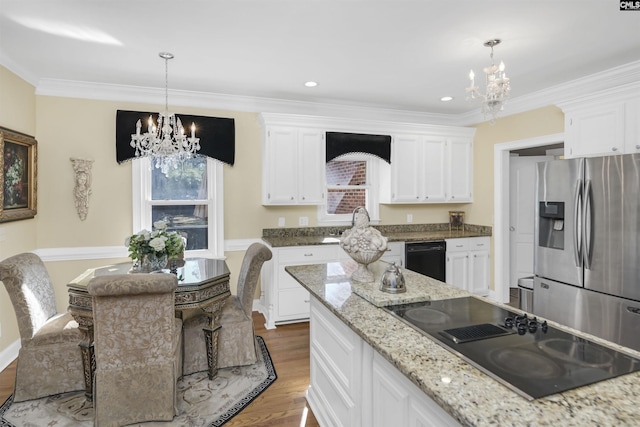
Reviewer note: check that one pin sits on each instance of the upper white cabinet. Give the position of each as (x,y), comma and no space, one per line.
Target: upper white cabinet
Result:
(604,124)
(418,165)
(429,163)
(460,171)
(430,169)
(293,166)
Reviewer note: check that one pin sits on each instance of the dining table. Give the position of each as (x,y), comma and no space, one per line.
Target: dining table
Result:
(203,286)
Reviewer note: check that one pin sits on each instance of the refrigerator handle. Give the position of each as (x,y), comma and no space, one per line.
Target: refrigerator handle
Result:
(587,225)
(577,225)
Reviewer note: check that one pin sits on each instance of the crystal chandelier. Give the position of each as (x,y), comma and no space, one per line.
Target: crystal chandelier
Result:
(497,86)
(165,142)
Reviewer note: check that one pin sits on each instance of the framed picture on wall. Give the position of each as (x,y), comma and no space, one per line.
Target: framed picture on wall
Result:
(18,180)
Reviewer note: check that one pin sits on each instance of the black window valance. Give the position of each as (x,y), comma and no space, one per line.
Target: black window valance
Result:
(217,135)
(339,143)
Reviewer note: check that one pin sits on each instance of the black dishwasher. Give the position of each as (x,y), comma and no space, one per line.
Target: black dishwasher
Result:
(427,258)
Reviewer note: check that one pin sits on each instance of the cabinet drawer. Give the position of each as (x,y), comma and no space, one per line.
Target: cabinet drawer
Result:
(457,245)
(479,243)
(307,254)
(294,302)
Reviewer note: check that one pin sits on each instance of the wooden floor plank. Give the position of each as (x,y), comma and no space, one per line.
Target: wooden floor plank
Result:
(283,404)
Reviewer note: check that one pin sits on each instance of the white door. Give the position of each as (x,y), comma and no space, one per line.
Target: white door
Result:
(521,215)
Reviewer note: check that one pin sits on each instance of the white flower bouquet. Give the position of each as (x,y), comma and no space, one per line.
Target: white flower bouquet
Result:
(158,242)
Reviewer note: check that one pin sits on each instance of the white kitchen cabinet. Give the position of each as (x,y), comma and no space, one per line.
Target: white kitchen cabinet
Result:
(394,253)
(417,169)
(468,265)
(398,402)
(353,385)
(335,369)
(282,298)
(604,124)
(293,166)
(429,169)
(460,171)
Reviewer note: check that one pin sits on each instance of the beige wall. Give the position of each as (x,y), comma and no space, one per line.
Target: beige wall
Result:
(18,113)
(539,122)
(82,128)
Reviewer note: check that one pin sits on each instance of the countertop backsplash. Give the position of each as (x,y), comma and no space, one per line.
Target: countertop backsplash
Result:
(277,237)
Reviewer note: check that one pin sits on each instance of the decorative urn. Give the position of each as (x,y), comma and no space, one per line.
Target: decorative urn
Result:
(363,243)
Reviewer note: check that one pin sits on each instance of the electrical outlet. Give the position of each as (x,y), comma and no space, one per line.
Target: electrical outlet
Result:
(303,221)
(3,235)
(281,221)
(409,218)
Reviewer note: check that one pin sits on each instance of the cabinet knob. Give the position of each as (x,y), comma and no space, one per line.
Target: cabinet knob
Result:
(308,254)
(453,197)
(637,147)
(291,197)
(614,148)
(303,198)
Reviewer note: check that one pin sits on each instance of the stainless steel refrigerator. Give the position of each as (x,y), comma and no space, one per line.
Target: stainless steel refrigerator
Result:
(587,246)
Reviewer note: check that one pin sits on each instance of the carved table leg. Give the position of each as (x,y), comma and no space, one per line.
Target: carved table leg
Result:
(211,339)
(211,335)
(89,366)
(85,324)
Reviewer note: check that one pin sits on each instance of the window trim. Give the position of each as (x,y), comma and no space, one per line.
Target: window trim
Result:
(141,204)
(373,196)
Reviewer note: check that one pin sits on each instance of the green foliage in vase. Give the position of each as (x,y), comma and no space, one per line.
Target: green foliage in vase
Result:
(158,242)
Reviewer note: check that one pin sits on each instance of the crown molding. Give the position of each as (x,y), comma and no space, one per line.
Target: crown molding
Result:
(624,76)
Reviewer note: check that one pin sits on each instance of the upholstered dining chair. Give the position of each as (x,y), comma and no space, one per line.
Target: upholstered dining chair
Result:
(236,339)
(49,360)
(137,345)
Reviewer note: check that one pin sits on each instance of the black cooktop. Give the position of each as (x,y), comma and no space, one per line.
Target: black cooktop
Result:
(525,354)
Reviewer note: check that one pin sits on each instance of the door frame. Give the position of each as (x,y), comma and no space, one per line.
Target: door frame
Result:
(501,154)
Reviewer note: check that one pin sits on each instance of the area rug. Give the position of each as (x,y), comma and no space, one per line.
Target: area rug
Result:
(201,402)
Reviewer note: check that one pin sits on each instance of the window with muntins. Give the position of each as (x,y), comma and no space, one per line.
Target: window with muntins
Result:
(189,199)
(349,184)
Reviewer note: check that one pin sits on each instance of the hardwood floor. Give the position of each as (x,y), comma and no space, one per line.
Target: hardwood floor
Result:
(283,404)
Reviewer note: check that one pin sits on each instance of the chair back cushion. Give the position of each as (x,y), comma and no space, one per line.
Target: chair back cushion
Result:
(31,291)
(134,319)
(252,262)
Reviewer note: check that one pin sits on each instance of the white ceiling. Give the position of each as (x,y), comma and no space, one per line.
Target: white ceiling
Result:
(394,54)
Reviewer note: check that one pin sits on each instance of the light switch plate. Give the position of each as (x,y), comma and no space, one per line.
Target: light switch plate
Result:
(281,221)
(409,218)
(304,220)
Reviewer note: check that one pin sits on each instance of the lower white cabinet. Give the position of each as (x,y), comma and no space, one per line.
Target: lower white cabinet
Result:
(394,253)
(283,300)
(468,264)
(352,385)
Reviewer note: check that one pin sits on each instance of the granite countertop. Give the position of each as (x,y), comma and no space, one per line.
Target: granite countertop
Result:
(309,236)
(472,397)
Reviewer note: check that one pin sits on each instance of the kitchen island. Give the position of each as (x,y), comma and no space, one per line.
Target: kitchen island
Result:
(367,365)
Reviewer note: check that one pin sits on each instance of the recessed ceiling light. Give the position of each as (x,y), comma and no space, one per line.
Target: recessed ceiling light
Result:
(311,84)
(446,98)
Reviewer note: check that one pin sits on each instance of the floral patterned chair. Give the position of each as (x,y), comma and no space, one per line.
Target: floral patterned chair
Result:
(49,361)
(137,342)
(236,340)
